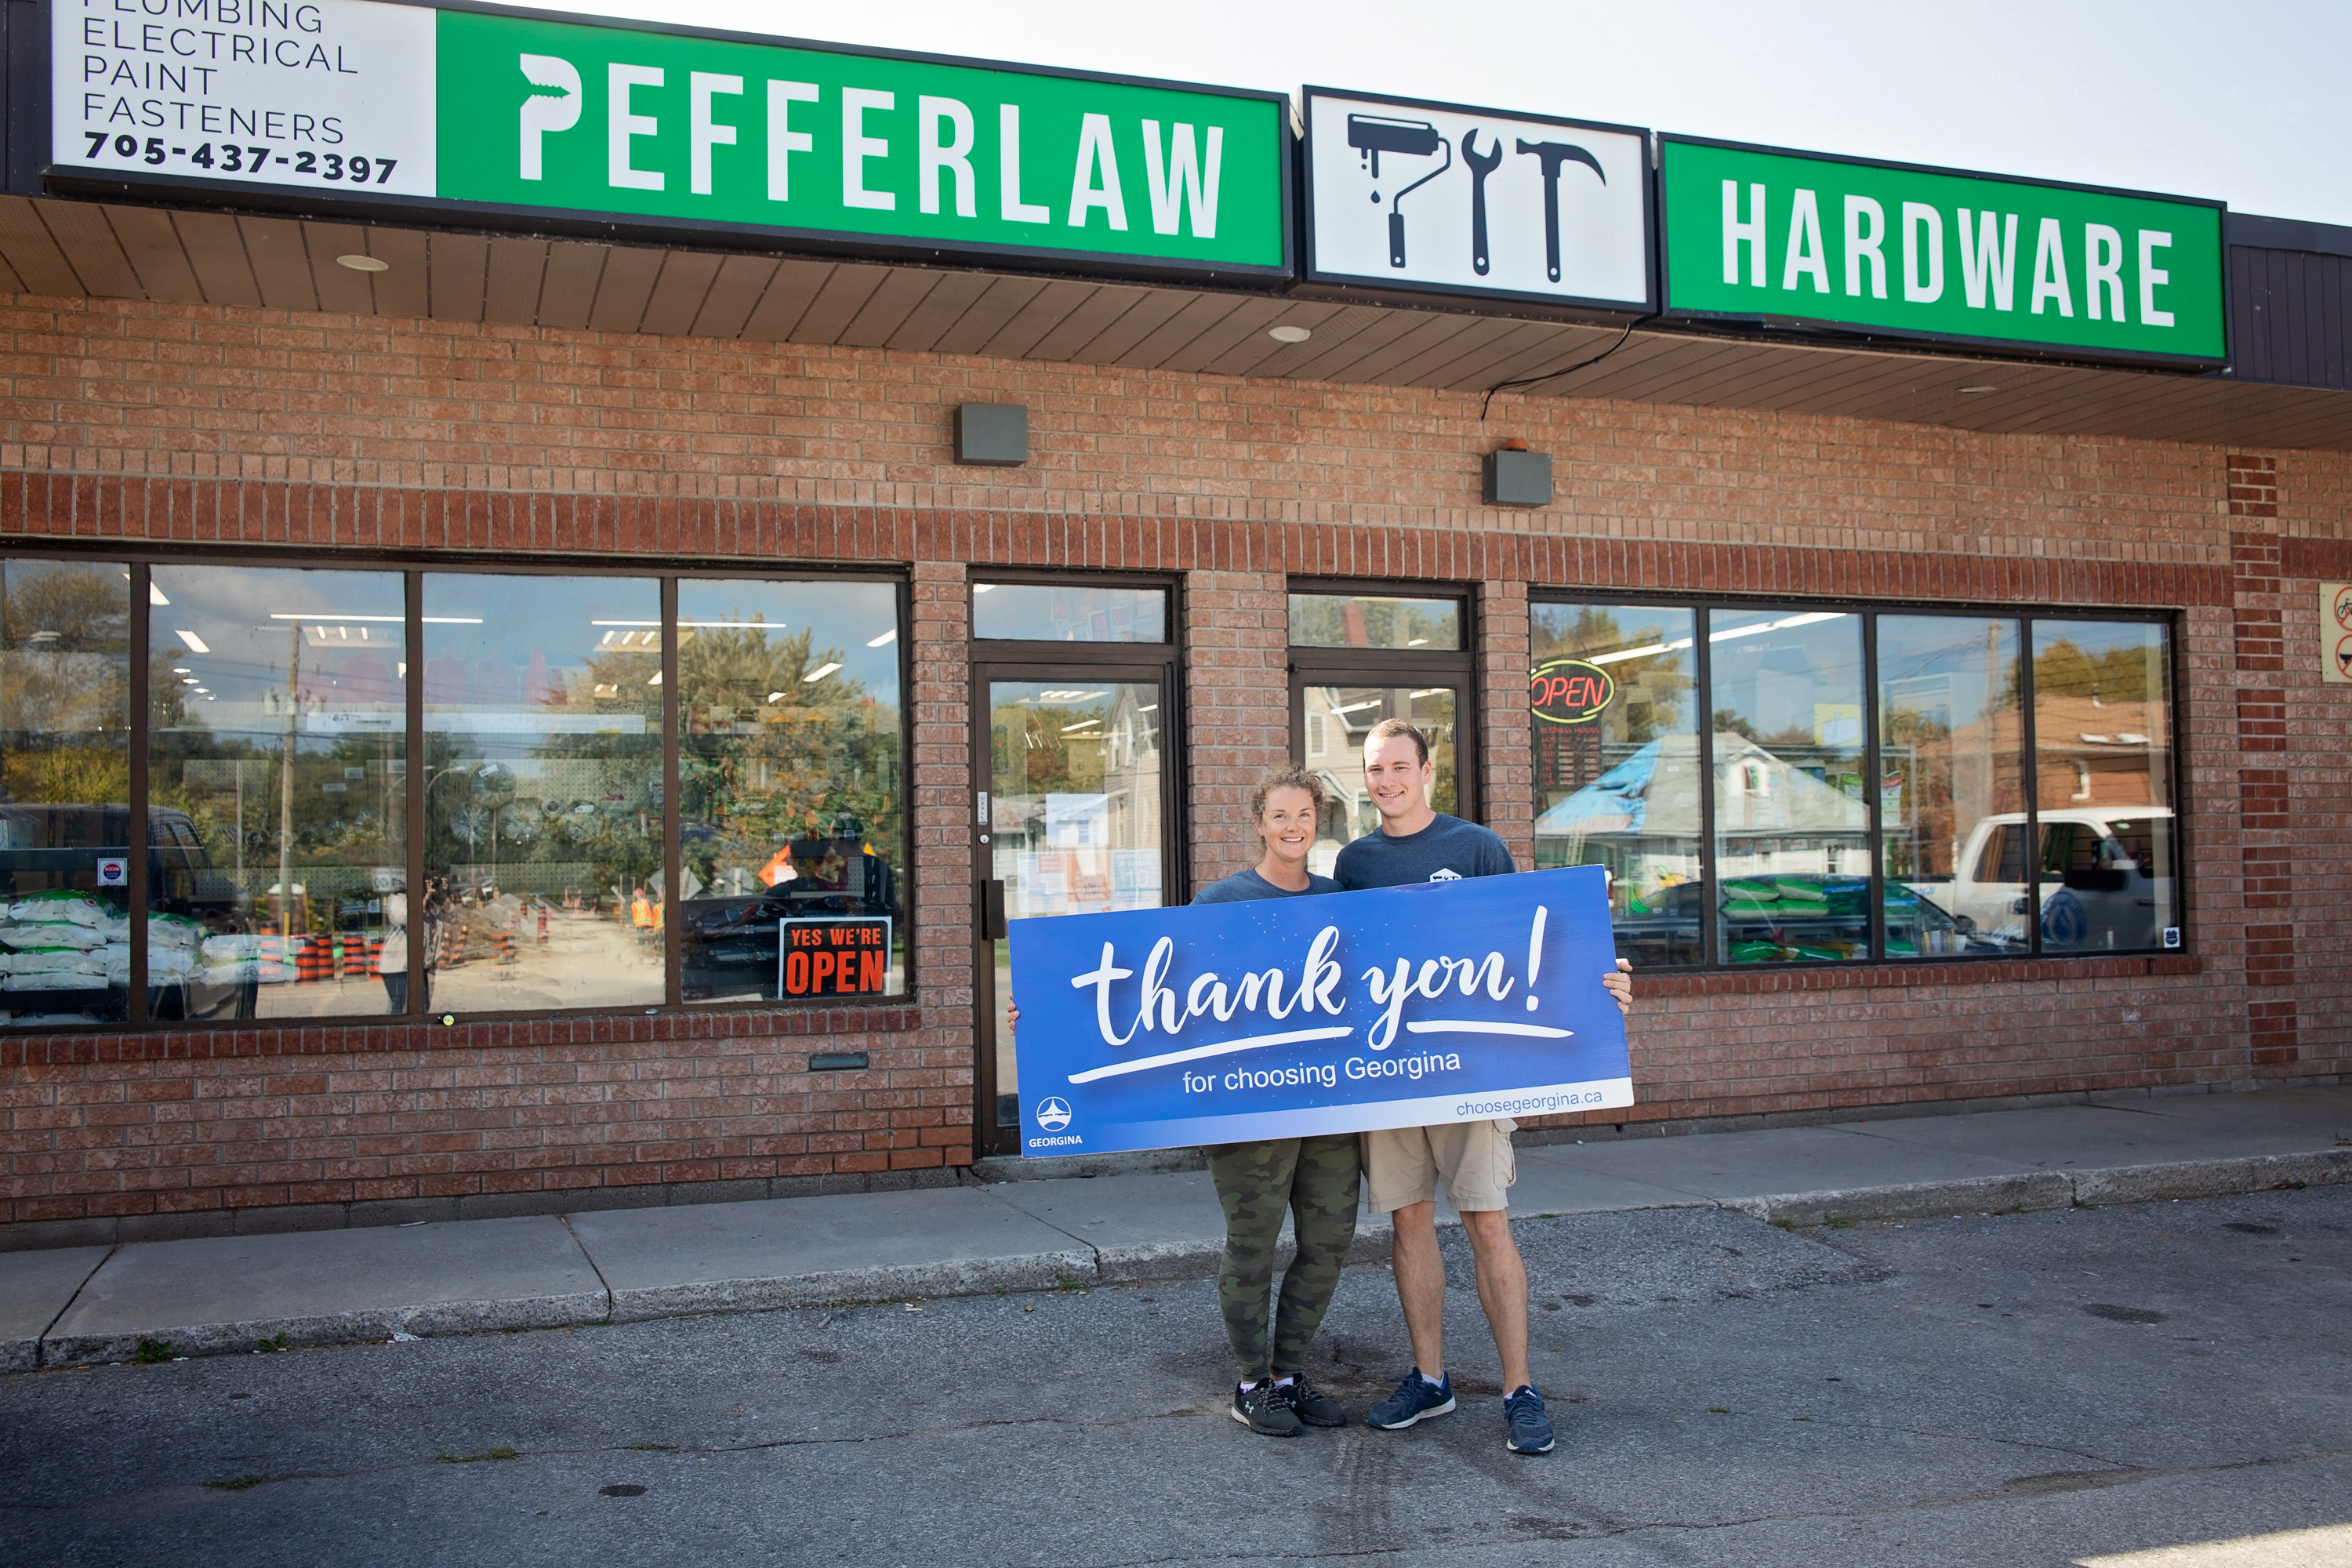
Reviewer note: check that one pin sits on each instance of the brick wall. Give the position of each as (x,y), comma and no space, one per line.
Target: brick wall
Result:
(216,427)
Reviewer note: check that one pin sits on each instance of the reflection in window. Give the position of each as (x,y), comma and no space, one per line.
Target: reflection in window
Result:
(789,775)
(542,791)
(1951,784)
(1332,728)
(1791,823)
(2102,773)
(279,739)
(1614,714)
(1361,620)
(65,792)
(1066,612)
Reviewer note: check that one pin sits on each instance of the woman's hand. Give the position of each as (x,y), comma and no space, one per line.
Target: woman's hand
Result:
(1620,986)
(1012,1016)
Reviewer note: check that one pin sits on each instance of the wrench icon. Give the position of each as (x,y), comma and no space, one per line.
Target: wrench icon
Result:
(1479,169)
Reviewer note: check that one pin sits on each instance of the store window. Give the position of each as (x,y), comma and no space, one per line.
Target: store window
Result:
(1359,657)
(277,760)
(66,835)
(791,796)
(2103,771)
(299,720)
(1613,696)
(1868,789)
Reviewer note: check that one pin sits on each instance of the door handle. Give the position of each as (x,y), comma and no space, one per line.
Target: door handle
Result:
(992,909)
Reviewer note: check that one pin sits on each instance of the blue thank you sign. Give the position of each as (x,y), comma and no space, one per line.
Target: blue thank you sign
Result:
(1460,1001)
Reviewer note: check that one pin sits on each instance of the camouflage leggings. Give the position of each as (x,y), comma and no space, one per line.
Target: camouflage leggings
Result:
(1316,1178)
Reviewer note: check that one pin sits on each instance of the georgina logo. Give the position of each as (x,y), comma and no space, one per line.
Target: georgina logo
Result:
(1053,1114)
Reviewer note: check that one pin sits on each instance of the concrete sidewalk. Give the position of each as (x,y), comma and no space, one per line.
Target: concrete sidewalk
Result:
(238,1294)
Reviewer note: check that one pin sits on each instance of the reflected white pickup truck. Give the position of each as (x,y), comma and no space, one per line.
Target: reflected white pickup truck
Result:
(2106,873)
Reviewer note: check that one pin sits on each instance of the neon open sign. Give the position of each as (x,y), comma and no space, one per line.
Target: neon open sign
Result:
(1569,692)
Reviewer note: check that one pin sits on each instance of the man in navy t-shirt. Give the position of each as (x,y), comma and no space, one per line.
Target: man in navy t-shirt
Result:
(1473,1159)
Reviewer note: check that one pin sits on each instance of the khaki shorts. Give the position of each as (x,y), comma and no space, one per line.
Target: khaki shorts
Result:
(1473,1159)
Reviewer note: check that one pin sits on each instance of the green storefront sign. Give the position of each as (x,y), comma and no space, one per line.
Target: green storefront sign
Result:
(1751,234)
(499,118)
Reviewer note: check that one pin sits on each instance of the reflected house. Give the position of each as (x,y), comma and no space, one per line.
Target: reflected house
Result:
(1641,818)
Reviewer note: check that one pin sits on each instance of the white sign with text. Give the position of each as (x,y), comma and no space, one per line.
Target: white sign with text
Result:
(333,94)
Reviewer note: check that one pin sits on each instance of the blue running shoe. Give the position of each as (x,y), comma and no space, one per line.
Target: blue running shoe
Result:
(1416,1398)
(1530,1428)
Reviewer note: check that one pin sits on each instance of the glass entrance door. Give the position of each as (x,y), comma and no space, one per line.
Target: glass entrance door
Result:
(1073,821)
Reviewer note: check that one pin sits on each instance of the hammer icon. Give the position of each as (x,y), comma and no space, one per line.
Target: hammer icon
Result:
(1554,153)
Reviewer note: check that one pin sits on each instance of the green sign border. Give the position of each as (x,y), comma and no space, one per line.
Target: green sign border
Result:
(2004,347)
(327,206)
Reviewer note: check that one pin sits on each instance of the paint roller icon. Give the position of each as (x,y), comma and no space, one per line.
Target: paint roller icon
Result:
(1371,135)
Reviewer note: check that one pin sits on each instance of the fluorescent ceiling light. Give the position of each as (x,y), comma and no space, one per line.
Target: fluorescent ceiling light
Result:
(1433,691)
(196,643)
(155,595)
(656,681)
(192,681)
(1081,725)
(1070,695)
(1417,642)
(178,669)
(774,696)
(822,670)
(1358,707)
(984,587)
(885,639)
(1153,708)
(1807,619)
(1673,646)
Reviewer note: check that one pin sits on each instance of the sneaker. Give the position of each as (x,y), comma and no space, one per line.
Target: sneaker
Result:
(1530,1428)
(1262,1408)
(1416,1398)
(1308,1404)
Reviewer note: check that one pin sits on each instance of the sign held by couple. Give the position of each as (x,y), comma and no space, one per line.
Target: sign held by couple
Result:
(1459,1001)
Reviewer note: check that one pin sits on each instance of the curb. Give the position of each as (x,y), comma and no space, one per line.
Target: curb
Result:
(848,1287)
(2026,1191)
(334,1328)
(1191,1259)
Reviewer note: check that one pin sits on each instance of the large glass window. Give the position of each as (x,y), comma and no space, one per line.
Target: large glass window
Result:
(789,780)
(1870,793)
(277,771)
(2103,769)
(1951,784)
(1614,699)
(66,835)
(398,792)
(543,792)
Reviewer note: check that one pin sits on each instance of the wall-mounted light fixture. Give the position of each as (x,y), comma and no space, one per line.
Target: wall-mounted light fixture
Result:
(1516,477)
(992,435)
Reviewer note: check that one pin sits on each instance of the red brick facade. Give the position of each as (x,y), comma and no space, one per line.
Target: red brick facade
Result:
(206,428)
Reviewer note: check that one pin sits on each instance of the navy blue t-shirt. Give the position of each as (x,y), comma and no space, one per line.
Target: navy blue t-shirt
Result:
(1244,886)
(1447,848)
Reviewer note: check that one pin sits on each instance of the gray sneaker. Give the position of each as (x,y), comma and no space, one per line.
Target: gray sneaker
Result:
(1263,1408)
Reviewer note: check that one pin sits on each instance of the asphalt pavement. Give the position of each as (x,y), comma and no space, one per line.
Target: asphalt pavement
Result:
(2022,1389)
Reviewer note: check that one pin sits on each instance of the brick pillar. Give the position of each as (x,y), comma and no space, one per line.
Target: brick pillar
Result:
(1237,708)
(942,783)
(2265,845)
(1507,780)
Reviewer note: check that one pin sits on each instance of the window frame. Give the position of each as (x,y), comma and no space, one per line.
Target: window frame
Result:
(2024,617)
(1315,666)
(414,567)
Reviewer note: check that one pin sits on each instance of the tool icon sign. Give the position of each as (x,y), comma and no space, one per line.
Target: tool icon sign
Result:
(1378,167)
